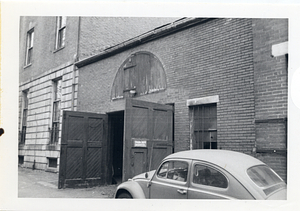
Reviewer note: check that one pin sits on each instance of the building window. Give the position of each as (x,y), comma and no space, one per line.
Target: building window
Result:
(56,110)
(24,116)
(21,159)
(60,32)
(174,170)
(52,162)
(29,47)
(204,127)
(205,175)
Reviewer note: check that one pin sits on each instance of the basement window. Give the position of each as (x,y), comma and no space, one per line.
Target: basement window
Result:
(21,159)
(52,162)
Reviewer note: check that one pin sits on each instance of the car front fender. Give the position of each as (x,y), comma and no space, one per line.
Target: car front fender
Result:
(131,187)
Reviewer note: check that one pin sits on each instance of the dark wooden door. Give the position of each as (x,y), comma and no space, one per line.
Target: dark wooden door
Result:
(148,132)
(83,155)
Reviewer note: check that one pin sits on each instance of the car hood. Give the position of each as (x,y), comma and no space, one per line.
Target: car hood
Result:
(143,175)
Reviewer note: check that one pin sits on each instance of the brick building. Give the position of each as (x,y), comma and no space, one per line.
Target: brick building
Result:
(49,47)
(224,81)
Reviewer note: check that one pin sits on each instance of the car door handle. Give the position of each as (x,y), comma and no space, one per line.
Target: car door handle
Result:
(181,191)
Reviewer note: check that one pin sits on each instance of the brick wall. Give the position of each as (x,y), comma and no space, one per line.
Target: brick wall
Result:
(110,31)
(214,58)
(270,76)
(270,72)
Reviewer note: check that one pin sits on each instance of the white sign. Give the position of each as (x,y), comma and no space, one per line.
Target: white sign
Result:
(140,143)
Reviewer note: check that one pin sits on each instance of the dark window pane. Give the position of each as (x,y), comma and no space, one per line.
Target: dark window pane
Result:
(54,132)
(213,136)
(214,145)
(56,111)
(21,160)
(29,55)
(52,162)
(206,145)
(205,175)
(174,170)
(24,121)
(23,135)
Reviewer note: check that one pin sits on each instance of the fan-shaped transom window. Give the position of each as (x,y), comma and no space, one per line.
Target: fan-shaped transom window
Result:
(142,73)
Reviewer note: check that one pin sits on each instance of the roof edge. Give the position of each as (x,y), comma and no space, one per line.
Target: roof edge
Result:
(156,33)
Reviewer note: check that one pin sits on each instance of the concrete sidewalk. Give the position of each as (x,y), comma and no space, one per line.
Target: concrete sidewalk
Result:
(41,184)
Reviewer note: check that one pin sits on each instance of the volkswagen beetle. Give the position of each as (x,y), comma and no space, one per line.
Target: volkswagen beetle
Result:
(206,174)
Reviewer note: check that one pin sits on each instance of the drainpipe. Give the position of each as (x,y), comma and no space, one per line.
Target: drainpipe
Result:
(74,67)
(33,166)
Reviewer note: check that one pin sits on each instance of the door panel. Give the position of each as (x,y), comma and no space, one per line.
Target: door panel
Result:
(93,163)
(148,129)
(139,122)
(171,181)
(158,155)
(195,193)
(212,182)
(83,150)
(139,161)
(163,190)
(74,163)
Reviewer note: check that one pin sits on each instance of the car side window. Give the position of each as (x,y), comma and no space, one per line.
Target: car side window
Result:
(205,175)
(174,170)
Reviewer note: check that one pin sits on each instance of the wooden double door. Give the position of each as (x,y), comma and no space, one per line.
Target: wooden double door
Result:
(86,151)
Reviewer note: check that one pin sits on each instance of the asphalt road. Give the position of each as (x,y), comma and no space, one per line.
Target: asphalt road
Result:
(41,184)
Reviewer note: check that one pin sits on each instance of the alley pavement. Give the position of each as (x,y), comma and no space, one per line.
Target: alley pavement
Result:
(41,184)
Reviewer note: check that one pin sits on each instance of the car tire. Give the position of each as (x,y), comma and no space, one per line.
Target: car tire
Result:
(124,196)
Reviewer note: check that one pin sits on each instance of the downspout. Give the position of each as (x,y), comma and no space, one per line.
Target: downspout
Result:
(76,56)
(34,150)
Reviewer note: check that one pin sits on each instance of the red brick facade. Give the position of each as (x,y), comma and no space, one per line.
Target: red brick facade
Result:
(240,64)
(270,74)
(220,57)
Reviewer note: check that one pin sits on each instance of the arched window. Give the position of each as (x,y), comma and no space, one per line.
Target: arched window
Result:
(142,73)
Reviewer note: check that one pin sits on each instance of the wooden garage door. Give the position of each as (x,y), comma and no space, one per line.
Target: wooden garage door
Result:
(148,136)
(83,150)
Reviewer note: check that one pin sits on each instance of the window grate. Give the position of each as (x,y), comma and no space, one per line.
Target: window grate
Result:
(205,126)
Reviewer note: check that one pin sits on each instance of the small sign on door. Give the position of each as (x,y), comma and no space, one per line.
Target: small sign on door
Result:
(139,143)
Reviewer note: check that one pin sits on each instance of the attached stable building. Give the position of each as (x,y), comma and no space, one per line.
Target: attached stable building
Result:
(196,83)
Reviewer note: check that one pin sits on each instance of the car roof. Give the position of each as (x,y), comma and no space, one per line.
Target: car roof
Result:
(235,163)
(230,160)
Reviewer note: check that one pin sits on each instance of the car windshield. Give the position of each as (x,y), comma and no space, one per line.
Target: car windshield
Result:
(263,176)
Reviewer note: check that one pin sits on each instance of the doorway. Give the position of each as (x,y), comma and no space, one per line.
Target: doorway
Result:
(116,122)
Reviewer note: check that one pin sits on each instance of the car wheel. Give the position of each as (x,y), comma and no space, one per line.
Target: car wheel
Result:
(124,196)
